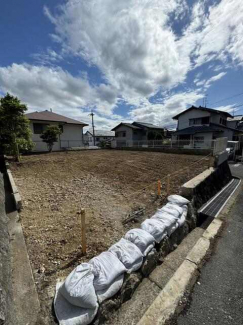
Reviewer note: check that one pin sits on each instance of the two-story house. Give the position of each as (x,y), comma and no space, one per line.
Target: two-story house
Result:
(138,131)
(71,130)
(202,125)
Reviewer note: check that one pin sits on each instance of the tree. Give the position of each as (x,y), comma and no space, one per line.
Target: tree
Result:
(15,133)
(50,136)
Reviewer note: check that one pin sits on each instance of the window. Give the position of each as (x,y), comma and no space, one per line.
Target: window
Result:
(120,134)
(222,121)
(97,139)
(195,121)
(205,120)
(199,139)
(39,128)
(199,121)
(60,127)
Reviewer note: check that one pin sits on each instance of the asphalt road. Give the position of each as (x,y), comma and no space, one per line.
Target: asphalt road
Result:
(217,298)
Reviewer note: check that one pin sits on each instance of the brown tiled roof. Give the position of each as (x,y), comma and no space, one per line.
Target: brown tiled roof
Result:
(52,117)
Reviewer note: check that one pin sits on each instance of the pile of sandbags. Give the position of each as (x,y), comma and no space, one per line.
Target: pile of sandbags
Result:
(77,298)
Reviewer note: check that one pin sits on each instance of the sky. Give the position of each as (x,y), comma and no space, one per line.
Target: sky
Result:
(129,60)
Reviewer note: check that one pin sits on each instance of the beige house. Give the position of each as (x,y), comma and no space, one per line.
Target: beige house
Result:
(72,130)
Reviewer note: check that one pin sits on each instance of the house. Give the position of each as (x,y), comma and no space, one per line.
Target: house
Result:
(138,131)
(72,130)
(100,136)
(201,125)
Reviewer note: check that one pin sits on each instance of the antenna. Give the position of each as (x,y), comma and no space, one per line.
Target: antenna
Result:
(92,116)
(206,100)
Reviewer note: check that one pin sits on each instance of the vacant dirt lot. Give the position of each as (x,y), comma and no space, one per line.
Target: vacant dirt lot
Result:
(108,184)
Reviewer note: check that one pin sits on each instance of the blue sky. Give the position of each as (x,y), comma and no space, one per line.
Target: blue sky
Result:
(127,60)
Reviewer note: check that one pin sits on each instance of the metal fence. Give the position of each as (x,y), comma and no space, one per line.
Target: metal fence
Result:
(168,143)
(216,146)
(71,144)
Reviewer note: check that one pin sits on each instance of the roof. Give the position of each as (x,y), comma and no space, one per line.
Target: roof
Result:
(210,110)
(102,133)
(52,117)
(148,125)
(235,118)
(130,125)
(197,129)
(139,126)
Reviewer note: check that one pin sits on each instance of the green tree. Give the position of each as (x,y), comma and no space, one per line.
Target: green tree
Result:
(50,136)
(15,133)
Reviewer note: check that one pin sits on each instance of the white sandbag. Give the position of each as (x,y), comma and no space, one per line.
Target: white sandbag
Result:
(111,290)
(173,209)
(142,239)
(128,253)
(106,268)
(68,314)
(172,229)
(156,228)
(78,287)
(177,199)
(182,219)
(167,219)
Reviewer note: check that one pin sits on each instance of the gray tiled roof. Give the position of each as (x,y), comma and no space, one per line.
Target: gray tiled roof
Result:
(211,110)
(52,117)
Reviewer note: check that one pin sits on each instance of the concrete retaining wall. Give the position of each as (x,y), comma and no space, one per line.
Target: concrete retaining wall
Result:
(202,152)
(204,186)
(6,313)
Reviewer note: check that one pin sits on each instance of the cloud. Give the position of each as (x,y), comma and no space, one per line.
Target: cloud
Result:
(130,41)
(42,87)
(214,78)
(134,45)
(162,113)
(48,57)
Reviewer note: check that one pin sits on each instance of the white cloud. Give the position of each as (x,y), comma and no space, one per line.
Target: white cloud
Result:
(43,87)
(133,44)
(214,78)
(130,41)
(161,114)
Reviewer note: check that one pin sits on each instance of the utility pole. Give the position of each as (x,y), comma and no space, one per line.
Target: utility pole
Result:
(92,116)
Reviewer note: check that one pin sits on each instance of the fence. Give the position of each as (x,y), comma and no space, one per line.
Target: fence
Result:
(220,145)
(216,146)
(71,144)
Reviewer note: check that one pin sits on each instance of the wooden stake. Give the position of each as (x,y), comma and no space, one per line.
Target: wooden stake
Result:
(83,231)
(168,184)
(159,187)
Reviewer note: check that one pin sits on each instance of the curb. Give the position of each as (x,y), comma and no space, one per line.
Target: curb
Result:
(15,192)
(169,302)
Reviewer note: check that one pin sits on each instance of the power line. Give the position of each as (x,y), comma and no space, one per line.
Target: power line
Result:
(221,100)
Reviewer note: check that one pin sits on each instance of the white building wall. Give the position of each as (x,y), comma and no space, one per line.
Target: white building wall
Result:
(71,136)
(183,120)
(129,133)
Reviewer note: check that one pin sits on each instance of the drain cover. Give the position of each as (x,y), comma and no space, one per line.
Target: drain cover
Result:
(215,205)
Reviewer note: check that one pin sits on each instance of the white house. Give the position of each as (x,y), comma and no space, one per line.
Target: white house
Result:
(72,130)
(137,131)
(100,136)
(201,125)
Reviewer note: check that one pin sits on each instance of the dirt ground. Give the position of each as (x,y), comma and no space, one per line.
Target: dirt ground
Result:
(108,184)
